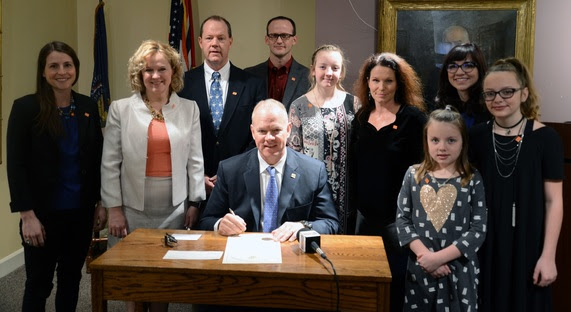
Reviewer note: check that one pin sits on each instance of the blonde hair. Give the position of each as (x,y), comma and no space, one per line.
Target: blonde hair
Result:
(451,116)
(328,48)
(137,64)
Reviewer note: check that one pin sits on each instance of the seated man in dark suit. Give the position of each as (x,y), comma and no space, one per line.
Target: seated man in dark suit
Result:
(286,79)
(271,188)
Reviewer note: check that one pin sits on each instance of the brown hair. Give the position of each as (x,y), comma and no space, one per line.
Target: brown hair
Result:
(137,64)
(409,88)
(448,115)
(529,108)
(47,119)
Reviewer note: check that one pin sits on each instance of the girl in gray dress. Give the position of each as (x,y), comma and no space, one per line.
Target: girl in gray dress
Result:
(441,217)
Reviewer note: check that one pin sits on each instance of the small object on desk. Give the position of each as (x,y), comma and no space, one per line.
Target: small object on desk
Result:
(169,240)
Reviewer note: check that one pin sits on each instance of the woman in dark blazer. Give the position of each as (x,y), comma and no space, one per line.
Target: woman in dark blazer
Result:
(54,145)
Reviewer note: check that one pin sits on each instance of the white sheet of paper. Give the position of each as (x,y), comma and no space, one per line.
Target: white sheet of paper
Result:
(252,248)
(187,236)
(192,255)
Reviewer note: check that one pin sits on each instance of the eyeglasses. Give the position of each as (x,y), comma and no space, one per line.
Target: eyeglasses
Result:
(466,67)
(275,37)
(504,94)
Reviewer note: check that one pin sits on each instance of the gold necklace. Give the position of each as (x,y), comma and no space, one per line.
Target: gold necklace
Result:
(156,115)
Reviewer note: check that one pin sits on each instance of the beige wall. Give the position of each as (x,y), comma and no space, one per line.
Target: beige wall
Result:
(128,23)
(21,42)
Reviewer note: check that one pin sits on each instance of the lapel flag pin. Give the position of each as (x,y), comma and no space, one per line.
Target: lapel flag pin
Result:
(234,93)
(395,127)
(86,114)
(293,175)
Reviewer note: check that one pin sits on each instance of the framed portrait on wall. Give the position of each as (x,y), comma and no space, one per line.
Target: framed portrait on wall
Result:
(423,32)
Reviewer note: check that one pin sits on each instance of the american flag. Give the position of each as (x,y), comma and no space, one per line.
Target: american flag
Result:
(100,83)
(181,35)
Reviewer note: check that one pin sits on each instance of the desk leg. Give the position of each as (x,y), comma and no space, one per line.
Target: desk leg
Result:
(98,304)
(139,306)
(384,297)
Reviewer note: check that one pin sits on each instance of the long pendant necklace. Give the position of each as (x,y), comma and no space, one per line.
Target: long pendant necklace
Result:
(511,160)
(508,129)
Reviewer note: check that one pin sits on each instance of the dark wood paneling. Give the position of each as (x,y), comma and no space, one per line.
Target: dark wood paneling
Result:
(562,286)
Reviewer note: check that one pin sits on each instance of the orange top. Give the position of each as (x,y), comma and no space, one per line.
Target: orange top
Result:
(158,151)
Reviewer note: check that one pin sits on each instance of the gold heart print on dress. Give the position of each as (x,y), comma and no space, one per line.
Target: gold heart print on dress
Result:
(438,205)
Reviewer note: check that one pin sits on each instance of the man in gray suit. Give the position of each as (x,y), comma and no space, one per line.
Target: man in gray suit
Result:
(239,201)
(286,79)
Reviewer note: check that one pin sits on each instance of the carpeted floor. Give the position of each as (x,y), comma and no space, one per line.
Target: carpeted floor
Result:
(12,290)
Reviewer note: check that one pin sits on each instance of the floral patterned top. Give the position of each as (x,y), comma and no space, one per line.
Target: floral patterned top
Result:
(323,133)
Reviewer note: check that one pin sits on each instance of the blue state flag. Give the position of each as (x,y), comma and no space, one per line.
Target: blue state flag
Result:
(100,83)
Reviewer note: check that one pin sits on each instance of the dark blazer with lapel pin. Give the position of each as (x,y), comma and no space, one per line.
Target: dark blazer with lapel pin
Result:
(234,137)
(33,157)
(297,80)
(304,193)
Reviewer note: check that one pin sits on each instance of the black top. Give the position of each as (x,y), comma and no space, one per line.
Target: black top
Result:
(510,253)
(32,157)
(379,160)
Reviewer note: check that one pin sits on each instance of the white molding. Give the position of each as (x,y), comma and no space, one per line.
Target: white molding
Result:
(11,262)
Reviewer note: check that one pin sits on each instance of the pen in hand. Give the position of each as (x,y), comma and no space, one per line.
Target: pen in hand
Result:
(244,224)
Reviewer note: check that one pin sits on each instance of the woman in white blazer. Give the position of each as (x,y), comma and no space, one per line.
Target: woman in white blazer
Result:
(152,167)
(152,146)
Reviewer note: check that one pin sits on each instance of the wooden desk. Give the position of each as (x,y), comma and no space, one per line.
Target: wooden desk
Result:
(134,270)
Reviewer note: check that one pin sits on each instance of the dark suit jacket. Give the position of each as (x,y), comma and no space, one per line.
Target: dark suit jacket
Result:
(234,137)
(33,156)
(297,80)
(304,193)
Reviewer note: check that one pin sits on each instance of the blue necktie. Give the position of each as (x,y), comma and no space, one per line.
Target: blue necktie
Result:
(271,202)
(216,107)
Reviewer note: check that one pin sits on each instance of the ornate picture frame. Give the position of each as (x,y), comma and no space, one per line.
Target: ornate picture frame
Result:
(419,30)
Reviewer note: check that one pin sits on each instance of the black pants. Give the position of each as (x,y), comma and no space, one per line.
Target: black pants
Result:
(68,235)
(396,255)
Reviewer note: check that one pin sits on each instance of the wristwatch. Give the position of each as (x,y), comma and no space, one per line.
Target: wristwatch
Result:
(306,224)
(195,204)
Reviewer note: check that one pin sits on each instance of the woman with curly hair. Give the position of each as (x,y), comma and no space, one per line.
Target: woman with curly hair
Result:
(386,140)
(152,172)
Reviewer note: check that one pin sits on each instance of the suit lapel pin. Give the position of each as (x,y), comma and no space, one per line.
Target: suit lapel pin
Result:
(292,78)
(395,127)
(234,93)
(293,175)
(86,114)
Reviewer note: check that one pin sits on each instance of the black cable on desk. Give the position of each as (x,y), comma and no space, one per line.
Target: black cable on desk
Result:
(336,278)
